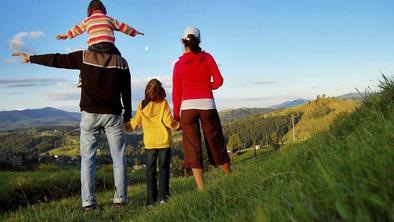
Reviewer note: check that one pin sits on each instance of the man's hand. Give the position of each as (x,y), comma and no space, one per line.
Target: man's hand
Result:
(127,127)
(61,37)
(25,57)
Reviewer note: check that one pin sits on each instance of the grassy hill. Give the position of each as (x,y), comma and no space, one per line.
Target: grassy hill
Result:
(317,116)
(343,174)
(276,127)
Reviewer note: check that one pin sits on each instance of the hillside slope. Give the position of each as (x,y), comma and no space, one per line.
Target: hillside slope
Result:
(317,116)
(344,174)
(276,127)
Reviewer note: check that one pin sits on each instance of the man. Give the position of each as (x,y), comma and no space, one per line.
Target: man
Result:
(105,86)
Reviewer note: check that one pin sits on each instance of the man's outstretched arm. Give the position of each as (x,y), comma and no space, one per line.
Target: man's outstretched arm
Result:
(67,61)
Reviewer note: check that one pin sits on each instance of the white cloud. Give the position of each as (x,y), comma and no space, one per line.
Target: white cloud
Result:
(258,83)
(14,60)
(17,42)
(65,91)
(11,60)
(28,82)
(146,48)
(171,62)
(138,86)
(166,81)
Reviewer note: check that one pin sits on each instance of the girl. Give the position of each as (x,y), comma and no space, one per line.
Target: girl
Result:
(153,113)
(100,29)
(194,103)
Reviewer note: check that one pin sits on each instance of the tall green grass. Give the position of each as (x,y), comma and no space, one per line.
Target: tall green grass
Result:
(344,174)
(51,182)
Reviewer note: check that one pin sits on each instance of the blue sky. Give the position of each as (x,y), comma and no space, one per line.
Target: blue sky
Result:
(268,51)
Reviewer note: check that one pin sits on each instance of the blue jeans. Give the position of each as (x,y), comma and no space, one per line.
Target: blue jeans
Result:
(91,126)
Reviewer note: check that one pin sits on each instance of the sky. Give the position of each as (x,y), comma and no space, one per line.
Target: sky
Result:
(268,52)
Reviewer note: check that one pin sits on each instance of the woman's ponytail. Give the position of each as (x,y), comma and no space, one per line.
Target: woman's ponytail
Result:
(193,43)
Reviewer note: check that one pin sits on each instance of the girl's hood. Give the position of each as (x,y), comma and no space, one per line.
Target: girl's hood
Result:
(151,110)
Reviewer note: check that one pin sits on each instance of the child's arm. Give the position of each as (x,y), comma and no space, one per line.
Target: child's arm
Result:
(135,122)
(126,29)
(74,31)
(168,121)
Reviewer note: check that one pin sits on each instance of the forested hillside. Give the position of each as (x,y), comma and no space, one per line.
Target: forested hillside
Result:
(260,130)
(276,127)
(227,116)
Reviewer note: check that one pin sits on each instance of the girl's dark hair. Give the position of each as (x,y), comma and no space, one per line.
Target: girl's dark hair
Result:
(153,92)
(96,5)
(193,43)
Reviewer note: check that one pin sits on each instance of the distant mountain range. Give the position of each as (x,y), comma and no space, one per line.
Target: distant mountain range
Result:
(37,117)
(297,102)
(351,96)
(289,104)
(55,117)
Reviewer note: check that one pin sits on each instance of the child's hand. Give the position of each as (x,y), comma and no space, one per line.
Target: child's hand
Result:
(127,127)
(61,37)
(139,33)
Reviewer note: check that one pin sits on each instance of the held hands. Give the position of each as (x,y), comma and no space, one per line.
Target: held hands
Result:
(127,127)
(26,58)
(61,37)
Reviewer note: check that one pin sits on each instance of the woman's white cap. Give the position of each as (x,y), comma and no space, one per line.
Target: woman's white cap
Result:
(191,30)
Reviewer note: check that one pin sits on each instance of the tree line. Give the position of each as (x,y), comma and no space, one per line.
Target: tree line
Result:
(259,130)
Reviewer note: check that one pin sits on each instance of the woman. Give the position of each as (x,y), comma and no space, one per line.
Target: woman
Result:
(193,102)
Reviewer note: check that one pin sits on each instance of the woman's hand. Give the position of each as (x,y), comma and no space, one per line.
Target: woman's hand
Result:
(26,58)
(61,37)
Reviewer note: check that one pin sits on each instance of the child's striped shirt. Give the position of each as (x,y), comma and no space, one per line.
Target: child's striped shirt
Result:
(100,28)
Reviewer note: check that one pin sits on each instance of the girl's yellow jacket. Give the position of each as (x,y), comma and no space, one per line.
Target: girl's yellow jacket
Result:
(156,123)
